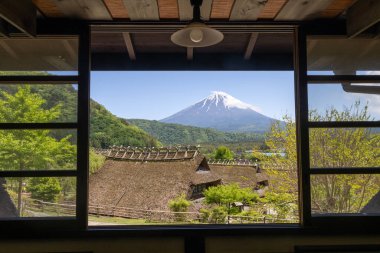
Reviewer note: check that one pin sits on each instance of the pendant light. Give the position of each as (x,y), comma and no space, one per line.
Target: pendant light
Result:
(197,34)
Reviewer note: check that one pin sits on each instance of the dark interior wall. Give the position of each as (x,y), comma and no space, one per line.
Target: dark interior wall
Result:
(262,244)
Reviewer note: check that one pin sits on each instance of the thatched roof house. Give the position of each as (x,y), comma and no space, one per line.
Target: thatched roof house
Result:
(149,179)
(242,172)
(7,208)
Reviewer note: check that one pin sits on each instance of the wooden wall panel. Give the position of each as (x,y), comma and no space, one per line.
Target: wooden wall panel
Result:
(142,9)
(48,8)
(336,8)
(271,9)
(221,9)
(186,10)
(168,9)
(83,9)
(116,8)
(302,10)
(247,9)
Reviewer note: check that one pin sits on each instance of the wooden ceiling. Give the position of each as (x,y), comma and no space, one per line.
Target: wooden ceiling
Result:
(152,10)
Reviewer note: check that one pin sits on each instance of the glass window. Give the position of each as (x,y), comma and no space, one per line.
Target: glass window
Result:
(357,56)
(37,197)
(345,193)
(150,136)
(22,55)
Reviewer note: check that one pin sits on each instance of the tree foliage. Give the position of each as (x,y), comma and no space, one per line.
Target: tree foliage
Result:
(44,188)
(225,195)
(174,134)
(31,149)
(223,153)
(179,204)
(329,148)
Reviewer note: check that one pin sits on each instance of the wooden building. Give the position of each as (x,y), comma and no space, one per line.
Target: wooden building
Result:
(147,179)
(340,37)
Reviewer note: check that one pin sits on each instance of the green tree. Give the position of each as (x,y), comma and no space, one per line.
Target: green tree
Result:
(225,195)
(31,149)
(179,204)
(44,188)
(96,161)
(224,153)
(329,148)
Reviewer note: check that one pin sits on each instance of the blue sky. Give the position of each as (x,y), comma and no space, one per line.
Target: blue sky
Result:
(156,94)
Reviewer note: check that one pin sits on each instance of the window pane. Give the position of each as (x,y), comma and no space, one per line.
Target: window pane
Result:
(48,54)
(343,56)
(344,147)
(37,197)
(37,149)
(164,153)
(345,194)
(334,102)
(42,103)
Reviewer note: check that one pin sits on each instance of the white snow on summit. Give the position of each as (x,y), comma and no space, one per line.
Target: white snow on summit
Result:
(228,101)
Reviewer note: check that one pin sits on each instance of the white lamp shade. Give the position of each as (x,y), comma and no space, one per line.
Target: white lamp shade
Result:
(197,35)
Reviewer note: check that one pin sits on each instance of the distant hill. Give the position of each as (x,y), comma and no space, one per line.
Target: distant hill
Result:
(171,134)
(106,128)
(223,112)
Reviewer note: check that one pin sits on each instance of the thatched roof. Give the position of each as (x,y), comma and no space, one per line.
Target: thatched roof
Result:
(7,208)
(244,175)
(373,206)
(147,185)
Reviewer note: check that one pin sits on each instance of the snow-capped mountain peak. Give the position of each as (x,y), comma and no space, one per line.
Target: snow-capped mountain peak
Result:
(222,98)
(223,112)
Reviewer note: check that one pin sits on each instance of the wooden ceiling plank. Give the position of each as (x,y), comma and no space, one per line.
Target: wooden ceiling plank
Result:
(221,9)
(142,9)
(361,16)
(48,8)
(117,9)
(190,53)
(168,9)
(251,46)
(302,10)
(21,14)
(129,45)
(336,8)
(271,9)
(83,9)
(186,10)
(247,9)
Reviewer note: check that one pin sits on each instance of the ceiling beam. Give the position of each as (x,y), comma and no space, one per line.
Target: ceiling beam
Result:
(176,62)
(21,14)
(247,9)
(251,46)
(190,53)
(361,16)
(129,45)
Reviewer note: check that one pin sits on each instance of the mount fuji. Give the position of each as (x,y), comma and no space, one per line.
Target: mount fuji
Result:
(223,112)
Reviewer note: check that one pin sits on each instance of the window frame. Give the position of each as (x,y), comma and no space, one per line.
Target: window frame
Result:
(79,225)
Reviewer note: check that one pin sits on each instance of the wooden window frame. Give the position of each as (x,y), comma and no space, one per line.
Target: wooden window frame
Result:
(79,225)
